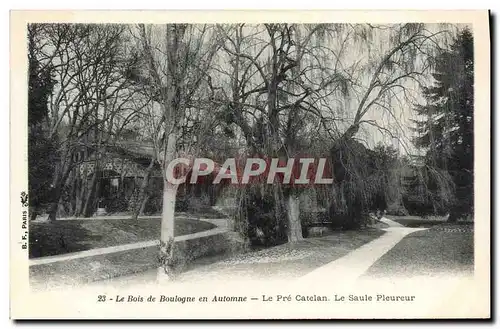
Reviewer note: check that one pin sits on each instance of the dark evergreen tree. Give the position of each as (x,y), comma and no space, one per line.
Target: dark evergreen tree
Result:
(41,149)
(446,130)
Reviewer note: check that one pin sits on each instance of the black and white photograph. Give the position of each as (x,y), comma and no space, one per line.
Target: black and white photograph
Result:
(251,169)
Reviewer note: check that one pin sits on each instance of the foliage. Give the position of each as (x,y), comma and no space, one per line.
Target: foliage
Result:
(363,179)
(42,153)
(428,191)
(261,219)
(446,129)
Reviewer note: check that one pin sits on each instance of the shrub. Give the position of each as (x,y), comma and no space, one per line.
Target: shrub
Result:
(260,219)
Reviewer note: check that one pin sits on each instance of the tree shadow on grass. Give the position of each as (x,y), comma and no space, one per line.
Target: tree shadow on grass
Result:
(61,237)
(49,239)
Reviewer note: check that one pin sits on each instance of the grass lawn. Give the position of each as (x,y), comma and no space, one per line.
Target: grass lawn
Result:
(60,237)
(201,212)
(418,221)
(85,270)
(446,248)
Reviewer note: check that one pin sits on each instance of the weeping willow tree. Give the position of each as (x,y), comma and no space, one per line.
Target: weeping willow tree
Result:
(366,181)
(280,82)
(429,191)
(355,185)
(392,62)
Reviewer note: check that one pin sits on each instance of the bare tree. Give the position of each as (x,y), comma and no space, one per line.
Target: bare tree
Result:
(177,57)
(87,63)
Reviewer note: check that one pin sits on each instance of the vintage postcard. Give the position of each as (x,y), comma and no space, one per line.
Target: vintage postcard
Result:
(250,165)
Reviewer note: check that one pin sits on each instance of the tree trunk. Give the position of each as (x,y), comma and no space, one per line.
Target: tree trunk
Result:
(79,197)
(53,209)
(293,214)
(33,213)
(171,107)
(88,198)
(454,214)
(165,271)
(59,183)
(143,197)
(293,201)
(143,205)
(56,195)
(73,192)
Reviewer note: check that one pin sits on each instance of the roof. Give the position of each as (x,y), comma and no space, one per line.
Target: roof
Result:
(137,149)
